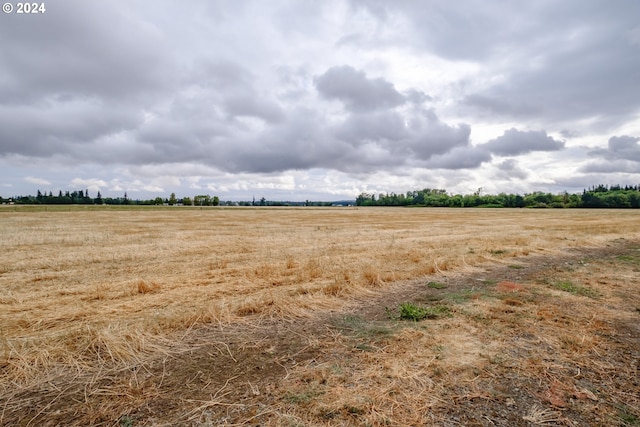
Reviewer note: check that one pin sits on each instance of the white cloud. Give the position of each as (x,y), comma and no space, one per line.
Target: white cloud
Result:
(92,184)
(37,181)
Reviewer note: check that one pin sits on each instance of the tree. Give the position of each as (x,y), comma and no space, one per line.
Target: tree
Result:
(172,199)
(365,199)
(187,201)
(203,200)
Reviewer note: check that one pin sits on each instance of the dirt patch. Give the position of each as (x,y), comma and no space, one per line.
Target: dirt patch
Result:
(555,341)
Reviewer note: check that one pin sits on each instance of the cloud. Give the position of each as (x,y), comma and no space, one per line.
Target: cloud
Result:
(92,184)
(622,155)
(63,128)
(620,148)
(37,181)
(468,157)
(261,136)
(254,107)
(570,133)
(611,166)
(417,97)
(514,142)
(358,92)
(539,62)
(81,50)
(510,170)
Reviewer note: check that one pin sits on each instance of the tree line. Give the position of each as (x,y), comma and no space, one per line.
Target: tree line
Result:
(600,196)
(82,197)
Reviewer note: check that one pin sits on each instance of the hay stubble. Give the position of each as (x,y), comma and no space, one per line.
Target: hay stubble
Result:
(89,292)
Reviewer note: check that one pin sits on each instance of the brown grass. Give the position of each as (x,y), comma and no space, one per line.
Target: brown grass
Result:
(520,355)
(86,294)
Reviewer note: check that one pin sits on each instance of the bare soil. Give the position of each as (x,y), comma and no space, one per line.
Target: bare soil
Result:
(544,340)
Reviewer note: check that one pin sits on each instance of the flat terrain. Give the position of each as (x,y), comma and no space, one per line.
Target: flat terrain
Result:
(181,316)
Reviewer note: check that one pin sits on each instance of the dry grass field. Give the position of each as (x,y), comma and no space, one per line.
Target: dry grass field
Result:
(229,316)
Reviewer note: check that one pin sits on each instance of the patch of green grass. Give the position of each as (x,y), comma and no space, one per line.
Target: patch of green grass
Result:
(627,418)
(125,421)
(436,285)
(572,288)
(634,259)
(411,311)
(498,252)
(516,266)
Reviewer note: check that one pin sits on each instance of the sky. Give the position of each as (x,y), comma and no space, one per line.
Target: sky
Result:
(319,100)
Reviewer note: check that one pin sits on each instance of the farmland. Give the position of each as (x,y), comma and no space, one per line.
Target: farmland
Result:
(105,311)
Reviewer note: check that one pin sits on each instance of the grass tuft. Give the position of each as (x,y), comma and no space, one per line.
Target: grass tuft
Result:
(147,287)
(411,311)
(572,288)
(372,278)
(436,285)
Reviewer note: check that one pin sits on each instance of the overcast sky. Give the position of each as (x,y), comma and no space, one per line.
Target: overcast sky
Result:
(321,100)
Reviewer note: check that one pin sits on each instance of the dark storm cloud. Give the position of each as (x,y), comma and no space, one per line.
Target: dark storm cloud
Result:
(358,92)
(514,142)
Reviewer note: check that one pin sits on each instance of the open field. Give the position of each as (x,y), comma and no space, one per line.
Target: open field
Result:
(182,316)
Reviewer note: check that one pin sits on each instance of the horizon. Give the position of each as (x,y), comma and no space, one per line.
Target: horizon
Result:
(292,100)
(256,199)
